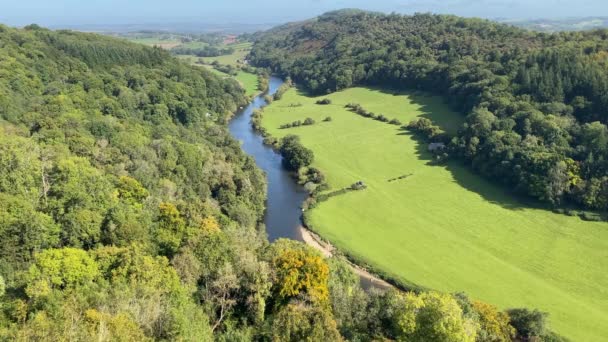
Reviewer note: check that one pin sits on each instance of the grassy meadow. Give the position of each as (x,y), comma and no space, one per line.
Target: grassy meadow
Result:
(443,227)
(249,82)
(240,52)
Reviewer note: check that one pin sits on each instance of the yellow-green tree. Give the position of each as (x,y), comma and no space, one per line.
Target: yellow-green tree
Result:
(171,229)
(432,316)
(494,324)
(299,270)
(62,269)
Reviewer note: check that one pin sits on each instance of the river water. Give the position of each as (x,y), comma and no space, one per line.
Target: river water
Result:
(285,196)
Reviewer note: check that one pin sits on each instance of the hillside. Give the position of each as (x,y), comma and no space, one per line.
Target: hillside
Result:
(535,105)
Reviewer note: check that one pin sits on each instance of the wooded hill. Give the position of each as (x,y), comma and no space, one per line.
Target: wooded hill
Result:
(536,104)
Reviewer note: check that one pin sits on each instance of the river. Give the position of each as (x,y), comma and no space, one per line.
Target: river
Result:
(285,196)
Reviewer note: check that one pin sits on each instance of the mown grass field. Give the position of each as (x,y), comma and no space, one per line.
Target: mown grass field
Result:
(249,82)
(443,227)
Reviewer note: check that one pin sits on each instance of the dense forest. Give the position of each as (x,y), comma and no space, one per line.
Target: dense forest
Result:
(128,213)
(536,104)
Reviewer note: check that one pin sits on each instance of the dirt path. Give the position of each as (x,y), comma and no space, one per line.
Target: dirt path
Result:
(368,280)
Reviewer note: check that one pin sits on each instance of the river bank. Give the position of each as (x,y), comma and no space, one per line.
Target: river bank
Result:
(368,280)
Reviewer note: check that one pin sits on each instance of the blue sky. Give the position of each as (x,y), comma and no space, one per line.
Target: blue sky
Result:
(65,12)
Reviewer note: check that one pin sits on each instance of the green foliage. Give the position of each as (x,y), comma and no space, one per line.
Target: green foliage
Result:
(528,323)
(171,229)
(431,316)
(300,322)
(295,155)
(24,231)
(62,269)
(494,325)
(299,270)
(127,213)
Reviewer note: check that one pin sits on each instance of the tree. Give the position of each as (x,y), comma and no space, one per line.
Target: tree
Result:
(348,301)
(295,156)
(221,293)
(106,327)
(494,324)
(79,195)
(60,269)
(301,322)
(432,316)
(131,190)
(528,323)
(299,270)
(24,231)
(171,229)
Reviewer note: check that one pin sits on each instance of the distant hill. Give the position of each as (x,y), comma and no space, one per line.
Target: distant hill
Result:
(556,25)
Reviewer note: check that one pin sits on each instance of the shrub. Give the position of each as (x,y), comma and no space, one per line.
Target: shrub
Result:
(425,127)
(382,118)
(324,101)
(327,119)
(528,323)
(309,121)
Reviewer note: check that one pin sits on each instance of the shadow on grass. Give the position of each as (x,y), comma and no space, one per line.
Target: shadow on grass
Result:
(432,107)
(435,109)
(465,177)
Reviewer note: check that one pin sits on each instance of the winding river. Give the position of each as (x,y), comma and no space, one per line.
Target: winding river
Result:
(285,196)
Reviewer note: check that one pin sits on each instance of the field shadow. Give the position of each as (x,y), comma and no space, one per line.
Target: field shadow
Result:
(497,194)
(432,107)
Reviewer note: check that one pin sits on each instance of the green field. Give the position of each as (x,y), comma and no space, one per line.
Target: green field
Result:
(157,41)
(443,227)
(249,82)
(240,51)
